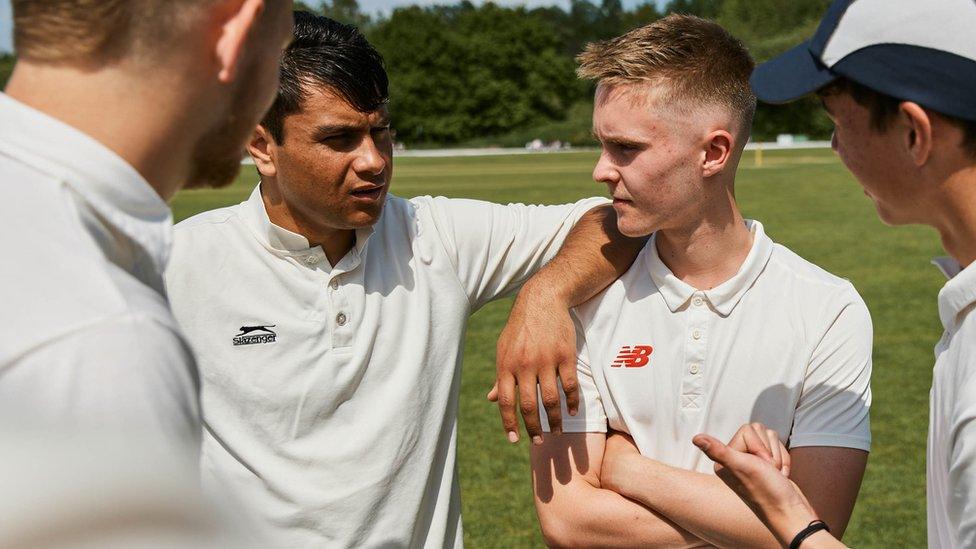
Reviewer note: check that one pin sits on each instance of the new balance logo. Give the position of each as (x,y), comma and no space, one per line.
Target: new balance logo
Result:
(248,337)
(633,357)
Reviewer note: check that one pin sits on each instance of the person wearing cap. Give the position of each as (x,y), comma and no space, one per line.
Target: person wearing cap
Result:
(328,315)
(898,79)
(713,325)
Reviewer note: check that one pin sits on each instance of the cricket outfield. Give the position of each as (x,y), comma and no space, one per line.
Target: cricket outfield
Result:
(808,202)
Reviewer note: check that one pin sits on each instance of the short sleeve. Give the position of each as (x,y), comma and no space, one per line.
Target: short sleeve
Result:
(496,247)
(836,396)
(591,416)
(126,374)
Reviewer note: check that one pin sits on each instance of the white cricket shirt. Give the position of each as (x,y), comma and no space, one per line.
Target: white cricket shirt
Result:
(87,339)
(782,342)
(951,457)
(330,393)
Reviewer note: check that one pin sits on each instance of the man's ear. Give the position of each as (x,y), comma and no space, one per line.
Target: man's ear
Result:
(718,150)
(261,148)
(235,21)
(918,139)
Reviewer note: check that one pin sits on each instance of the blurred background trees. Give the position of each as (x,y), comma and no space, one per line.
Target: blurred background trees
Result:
(468,74)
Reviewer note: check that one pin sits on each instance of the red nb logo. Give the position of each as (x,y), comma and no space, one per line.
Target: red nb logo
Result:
(633,357)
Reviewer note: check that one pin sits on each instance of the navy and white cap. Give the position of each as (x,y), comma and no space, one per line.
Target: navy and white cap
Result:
(915,50)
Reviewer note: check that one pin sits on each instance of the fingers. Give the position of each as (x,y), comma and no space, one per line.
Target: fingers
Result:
(714,449)
(528,404)
(772,440)
(755,442)
(570,383)
(549,392)
(493,393)
(505,388)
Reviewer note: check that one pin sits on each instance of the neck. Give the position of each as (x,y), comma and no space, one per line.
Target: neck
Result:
(709,251)
(957,215)
(131,115)
(336,243)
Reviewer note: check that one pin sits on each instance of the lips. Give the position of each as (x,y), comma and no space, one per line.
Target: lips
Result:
(370,192)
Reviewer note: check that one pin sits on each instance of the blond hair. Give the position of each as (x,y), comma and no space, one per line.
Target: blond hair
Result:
(69,31)
(696,59)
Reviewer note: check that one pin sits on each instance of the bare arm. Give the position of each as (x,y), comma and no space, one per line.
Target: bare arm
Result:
(830,477)
(574,511)
(539,342)
(771,495)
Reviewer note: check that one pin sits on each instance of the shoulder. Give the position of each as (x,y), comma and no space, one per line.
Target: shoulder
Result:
(207,221)
(811,282)
(632,291)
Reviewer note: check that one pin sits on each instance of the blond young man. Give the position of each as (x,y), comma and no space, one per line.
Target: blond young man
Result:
(713,325)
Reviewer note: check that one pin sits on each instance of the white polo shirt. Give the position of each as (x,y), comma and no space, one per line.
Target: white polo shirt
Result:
(782,342)
(330,393)
(87,341)
(951,458)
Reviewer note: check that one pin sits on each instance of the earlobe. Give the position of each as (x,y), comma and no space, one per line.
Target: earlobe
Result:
(237,23)
(919,137)
(261,149)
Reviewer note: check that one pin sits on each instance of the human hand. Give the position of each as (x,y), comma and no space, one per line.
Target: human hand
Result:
(749,467)
(620,455)
(537,345)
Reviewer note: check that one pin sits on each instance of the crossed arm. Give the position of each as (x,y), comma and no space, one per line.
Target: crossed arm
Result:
(591,491)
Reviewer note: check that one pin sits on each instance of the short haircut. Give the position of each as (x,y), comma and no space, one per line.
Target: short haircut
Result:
(327,54)
(697,59)
(884,109)
(97,31)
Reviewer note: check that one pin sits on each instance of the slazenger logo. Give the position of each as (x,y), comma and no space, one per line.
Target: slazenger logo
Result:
(249,337)
(636,356)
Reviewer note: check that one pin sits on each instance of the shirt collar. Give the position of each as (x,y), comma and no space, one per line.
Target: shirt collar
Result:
(724,297)
(959,293)
(283,241)
(103,180)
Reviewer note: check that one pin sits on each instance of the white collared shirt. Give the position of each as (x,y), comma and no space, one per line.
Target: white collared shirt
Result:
(782,342)
(330,393)
(87,339)
(951,456)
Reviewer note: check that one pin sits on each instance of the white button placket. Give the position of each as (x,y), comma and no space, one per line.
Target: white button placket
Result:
(344,305)
(693,374)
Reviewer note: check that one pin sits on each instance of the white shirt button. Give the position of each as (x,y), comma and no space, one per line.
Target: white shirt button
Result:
(334,284)
(694,369)
(696,334)
(341,319)
(698,301)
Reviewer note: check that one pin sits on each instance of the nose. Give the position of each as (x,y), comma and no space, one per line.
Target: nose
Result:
(370,159)
(604,171)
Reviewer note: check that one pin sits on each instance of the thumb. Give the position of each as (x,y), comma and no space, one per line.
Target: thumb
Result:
(712,447)
(493,393)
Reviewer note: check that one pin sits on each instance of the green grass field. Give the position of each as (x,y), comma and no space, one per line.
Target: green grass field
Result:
(808,202)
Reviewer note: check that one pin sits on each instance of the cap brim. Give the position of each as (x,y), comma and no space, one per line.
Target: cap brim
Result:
(790,76)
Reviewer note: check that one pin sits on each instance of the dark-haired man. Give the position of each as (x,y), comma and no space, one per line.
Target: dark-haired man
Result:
(338,424)
(898,79)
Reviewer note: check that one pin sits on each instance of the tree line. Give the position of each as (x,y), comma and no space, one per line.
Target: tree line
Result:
(492,75)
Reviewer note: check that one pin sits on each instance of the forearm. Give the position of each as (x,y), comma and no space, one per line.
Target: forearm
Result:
(593,255)
(594,517)
(681,496)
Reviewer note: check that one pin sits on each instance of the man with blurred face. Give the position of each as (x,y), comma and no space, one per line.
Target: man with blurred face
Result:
(328,315)
(113,105)
(713,325)
(897,79)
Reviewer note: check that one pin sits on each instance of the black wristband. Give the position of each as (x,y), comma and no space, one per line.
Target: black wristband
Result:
(810,530)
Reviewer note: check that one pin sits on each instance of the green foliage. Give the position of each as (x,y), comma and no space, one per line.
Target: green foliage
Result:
(462,71)
(344,11)
(6,68)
